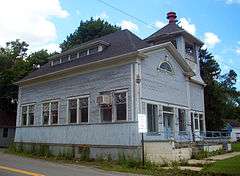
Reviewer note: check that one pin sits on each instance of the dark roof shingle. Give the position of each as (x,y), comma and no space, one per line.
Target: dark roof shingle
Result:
(121,42)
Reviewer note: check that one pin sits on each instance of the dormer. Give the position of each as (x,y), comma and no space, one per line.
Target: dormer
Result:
(186,44)
(80,51)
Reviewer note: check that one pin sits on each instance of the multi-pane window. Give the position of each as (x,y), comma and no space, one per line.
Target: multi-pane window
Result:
(78,110)
(201,122)
(5,133)
(83,109)
(121,105)
(168,115)
(166,66)
(182,119)
(28,115)
(24,115)
(93,50)
(50,113)
(45,113)
(106,113)
(54,112)
(31,114)
(196,122)
(73,111)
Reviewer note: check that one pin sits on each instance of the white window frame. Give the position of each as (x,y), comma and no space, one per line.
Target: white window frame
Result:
(27,120)
(115,107)
(114,112)
(50,112)
(164,70)
(198,118)
(78,112)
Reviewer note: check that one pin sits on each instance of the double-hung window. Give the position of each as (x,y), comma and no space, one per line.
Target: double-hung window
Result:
(121,105)
(45,113)
(78,110)
(24,115)
(28,115)
(116,110)
(31,114)
(83,109)
(106,112)
(182,119)
(54,112)
(50,113)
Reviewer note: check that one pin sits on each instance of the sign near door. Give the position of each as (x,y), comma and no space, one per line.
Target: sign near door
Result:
(142,123)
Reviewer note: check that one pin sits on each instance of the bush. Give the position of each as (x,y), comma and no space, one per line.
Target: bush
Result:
(84,151)
(205,154)
(128,161)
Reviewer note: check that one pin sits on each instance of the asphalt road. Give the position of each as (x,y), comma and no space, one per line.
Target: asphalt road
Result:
(11,165)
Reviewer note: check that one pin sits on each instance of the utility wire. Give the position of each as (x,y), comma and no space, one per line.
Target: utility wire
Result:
(125,13)
(145,23)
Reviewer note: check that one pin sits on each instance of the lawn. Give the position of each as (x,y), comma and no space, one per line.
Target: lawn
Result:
(227,166)
(236,147)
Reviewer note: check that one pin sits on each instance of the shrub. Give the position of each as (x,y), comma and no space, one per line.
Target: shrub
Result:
(84,151)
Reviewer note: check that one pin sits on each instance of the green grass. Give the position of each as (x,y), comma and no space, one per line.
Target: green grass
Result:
(229,166)
(236,147)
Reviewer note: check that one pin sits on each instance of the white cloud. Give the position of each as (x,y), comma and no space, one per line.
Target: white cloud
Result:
(232,1)
(160,24)
(51,47)
(102,15)
(210,39)
(188,26)
(238,51)
(129,25)
(30,21)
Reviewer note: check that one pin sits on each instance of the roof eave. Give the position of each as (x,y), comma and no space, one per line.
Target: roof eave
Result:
(130,54)
(170,47)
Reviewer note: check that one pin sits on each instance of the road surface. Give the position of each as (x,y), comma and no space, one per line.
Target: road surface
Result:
(11,165)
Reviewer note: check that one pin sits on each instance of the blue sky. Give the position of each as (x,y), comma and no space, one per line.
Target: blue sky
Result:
(45,24)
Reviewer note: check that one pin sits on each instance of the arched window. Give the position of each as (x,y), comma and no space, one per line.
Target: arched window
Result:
(166,66)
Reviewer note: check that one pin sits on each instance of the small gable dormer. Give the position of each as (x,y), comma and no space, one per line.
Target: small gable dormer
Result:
(185,43)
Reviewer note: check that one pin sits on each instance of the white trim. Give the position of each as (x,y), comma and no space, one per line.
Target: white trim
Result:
(165,104)
(50,112)
(78,112)
(164,70)
(28,120)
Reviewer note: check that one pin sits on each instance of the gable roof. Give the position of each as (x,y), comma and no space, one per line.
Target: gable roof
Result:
(177,56)
(119,43)
(172,29)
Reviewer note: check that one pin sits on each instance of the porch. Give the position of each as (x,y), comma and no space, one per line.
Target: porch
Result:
(171,122)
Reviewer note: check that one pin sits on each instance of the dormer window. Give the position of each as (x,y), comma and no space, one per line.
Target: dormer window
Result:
(93,50)
(165,66)
(81,51)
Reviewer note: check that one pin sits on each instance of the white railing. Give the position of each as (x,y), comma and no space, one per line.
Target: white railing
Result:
(184,136)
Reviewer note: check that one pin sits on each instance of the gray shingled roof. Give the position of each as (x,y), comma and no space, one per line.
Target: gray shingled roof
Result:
(172,29)
(168,29)
(121,42)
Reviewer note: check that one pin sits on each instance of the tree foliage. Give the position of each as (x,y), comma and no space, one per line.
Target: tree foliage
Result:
(14,65)
(221,97)
(88,30)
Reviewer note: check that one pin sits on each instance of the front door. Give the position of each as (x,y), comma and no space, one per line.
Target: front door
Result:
(152,119)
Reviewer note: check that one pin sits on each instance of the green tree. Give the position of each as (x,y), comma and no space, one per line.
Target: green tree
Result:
(14,65)
(221,97)
(88,30)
